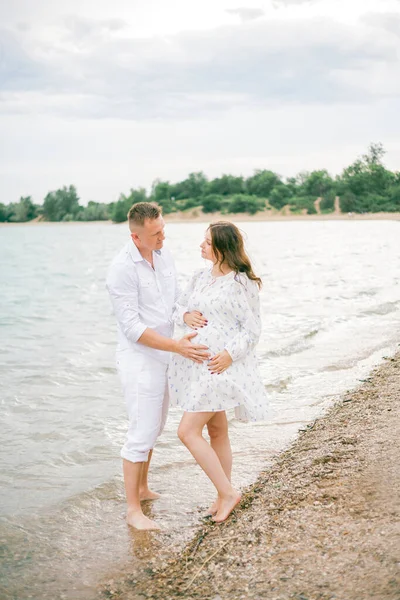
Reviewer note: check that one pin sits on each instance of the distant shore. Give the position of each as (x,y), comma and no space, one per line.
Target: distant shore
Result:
(197,216)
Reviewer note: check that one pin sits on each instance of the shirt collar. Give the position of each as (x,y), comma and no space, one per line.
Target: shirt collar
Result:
(135,254)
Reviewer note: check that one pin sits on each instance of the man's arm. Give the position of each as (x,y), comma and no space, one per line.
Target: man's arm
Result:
(184,346)
(124,294)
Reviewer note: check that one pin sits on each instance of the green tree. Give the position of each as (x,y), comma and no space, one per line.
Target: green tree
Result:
(195,186)
(94,211)
(262,183)
(62,204)
(212,203)
(3,213)
(327,203)
(245,203)
(24,210)
(367,176)
(118,210)
(347,202)
(188,203)
(375,154)
(394,196)
(317,183)
(292,185)
(227,185)
(301,203)
(137,195)
(27,208)
(161,193)
(279,196)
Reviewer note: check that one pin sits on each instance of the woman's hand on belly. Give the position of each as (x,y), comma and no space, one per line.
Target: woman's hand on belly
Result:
(194,319)
(219,362)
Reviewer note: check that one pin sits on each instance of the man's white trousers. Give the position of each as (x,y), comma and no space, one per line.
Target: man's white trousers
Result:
(144,383)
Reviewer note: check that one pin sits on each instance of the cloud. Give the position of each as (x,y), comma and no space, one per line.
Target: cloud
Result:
(246,14)
(93,69)
(18,70)
(79,27)
(390,22)
(290,2)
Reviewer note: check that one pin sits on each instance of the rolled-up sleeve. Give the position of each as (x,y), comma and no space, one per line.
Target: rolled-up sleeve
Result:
(123,288)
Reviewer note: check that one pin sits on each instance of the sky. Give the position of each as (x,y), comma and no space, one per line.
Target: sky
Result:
(110,96)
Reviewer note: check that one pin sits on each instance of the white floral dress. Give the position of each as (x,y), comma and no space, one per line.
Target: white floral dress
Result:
(231,305)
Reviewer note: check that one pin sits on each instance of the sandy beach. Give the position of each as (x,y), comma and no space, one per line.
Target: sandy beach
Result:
(195,215)
(320,524)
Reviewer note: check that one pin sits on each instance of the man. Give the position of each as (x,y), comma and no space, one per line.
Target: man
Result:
(143,288)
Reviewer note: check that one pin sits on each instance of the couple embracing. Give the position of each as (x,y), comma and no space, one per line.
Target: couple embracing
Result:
(210,370)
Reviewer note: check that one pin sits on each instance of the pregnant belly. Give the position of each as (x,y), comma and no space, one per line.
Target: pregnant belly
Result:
(213,337)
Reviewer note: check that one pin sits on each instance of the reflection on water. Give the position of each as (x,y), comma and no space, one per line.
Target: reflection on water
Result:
(331,309)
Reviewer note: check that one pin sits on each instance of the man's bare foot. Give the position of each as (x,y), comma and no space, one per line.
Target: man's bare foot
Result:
(213,508)
(226,506)
(147,494)
(138,520)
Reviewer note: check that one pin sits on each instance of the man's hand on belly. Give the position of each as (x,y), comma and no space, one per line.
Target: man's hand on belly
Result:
(198,353)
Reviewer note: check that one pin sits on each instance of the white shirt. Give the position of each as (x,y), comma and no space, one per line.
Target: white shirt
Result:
(142,297)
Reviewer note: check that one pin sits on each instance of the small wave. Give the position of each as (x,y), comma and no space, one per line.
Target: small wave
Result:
(349,364)
(311,334)
(338,367)
(279,386)
(371,292)
(299,345)
(382,309)
(106,491)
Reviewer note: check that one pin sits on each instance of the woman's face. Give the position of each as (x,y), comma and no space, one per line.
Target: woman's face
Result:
(206,247)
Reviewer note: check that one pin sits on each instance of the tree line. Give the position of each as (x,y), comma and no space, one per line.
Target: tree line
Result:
(365,186)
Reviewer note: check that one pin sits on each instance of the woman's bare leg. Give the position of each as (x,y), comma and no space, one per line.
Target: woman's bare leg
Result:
(190,433)
(219,439)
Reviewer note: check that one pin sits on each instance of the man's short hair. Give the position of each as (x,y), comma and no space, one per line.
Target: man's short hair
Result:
(141,211)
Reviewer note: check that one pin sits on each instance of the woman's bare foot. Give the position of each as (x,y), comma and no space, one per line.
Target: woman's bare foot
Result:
(213,508)
(226,506)
(147,494)
(138,520)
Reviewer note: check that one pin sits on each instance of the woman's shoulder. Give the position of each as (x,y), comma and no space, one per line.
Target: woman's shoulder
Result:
(241,279)
(200,273)
(243,285)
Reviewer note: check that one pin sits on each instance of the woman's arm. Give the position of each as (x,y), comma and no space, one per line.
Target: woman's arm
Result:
(245,305)
(181,305)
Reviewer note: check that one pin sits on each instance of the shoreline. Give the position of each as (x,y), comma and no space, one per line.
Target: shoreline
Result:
(200,217)
(277,217)
(320,523)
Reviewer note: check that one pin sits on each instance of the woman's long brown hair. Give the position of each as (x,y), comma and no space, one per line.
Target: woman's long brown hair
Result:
(228,247)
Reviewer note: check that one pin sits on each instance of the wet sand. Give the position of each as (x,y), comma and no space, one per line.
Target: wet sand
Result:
(321,524)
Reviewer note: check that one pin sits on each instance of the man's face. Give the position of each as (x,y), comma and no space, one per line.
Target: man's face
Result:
(150,236)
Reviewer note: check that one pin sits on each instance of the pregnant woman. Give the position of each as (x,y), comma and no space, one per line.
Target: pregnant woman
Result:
(222,304)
